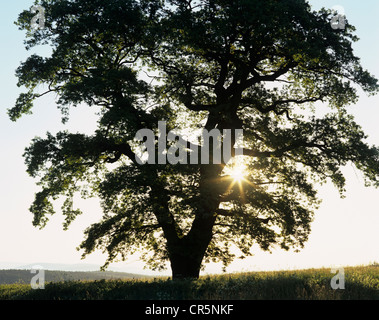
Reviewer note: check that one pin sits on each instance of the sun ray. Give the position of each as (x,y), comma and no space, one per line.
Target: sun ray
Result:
(237,173)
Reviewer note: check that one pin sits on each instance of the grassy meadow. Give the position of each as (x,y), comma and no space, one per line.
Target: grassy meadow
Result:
(361,283)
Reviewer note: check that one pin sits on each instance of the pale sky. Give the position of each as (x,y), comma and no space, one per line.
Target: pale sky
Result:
(345,231)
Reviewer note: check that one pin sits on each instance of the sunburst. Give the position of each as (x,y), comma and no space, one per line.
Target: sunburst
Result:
(238,173)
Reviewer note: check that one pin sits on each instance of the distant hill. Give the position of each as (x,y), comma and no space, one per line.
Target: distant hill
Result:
(60,267)
(361,283)
(25,276)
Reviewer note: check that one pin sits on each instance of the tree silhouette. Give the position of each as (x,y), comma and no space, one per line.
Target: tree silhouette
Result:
(257,65)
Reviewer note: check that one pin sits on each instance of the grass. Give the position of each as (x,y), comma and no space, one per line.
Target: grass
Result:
(361,283)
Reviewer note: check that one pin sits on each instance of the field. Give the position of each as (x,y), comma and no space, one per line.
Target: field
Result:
(361,283)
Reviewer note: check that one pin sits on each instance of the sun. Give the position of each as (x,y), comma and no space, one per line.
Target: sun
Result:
(238,173)
(237,170)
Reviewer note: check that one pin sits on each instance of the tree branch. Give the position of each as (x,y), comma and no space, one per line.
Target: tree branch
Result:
(279,152)
(272,77)
(228,213)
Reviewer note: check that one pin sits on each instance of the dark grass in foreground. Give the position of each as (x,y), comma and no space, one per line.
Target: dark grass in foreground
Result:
(314,284)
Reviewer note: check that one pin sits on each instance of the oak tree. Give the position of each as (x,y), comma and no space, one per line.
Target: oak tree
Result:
(263,66)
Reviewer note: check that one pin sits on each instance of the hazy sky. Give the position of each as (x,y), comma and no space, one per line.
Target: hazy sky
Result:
(345,231)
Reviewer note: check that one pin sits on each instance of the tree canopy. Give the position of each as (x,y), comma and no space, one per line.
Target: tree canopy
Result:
(257,65)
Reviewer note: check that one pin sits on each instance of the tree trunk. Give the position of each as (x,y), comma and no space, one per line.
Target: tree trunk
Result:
(185,266)
(188,252)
